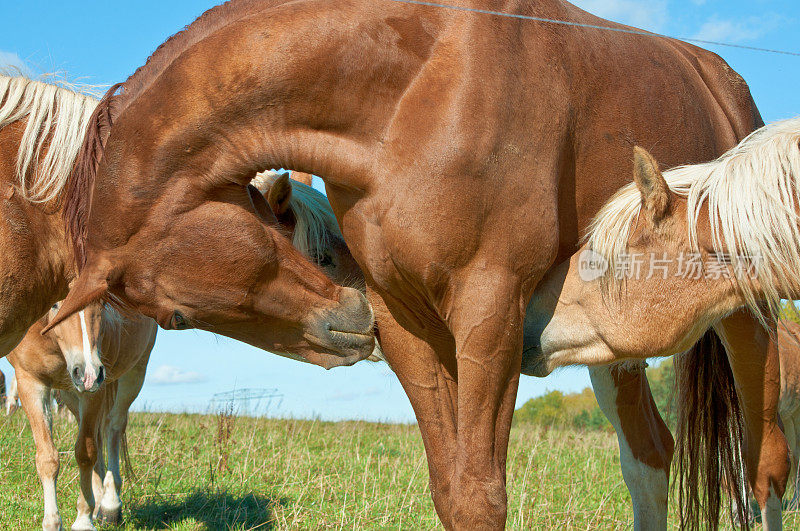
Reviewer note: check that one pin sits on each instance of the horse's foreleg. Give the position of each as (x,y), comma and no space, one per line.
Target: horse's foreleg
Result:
(645,443)
(753,354)
(35,398)
(128,389)
(86,454)
(431,389)
(486,321)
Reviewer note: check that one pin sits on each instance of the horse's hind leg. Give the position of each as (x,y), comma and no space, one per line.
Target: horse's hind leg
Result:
(12,397)
(35,398)
(790,426)
(645,443)
(117,423)
(753,354)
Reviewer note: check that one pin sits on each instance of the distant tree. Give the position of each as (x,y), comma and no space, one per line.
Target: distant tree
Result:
(546,409)
(789,311)
(579,410)
(662,386)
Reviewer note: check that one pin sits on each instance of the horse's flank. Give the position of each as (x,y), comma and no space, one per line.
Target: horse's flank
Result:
(56,120)
(752,218)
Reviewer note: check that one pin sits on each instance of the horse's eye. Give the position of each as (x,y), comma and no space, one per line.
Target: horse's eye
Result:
(55,306)
(179,322)
(325,260)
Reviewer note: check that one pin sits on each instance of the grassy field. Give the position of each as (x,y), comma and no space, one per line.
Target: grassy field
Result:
(218,472)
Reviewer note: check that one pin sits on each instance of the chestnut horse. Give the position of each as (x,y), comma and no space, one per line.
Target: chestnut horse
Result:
(77,357)
(41,129)
(463,154)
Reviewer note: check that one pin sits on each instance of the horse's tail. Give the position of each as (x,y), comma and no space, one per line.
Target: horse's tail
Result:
(710,436)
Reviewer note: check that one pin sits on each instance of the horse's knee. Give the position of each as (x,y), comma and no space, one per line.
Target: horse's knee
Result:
(479,503)
(47,463)
(86,453)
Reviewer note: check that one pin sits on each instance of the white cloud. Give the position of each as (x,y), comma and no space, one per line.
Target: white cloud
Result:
(747,29)
(168,375)
(649,15)
(10,59)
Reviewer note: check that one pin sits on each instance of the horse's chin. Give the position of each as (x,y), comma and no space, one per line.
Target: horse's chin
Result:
(330,361)
(533,362)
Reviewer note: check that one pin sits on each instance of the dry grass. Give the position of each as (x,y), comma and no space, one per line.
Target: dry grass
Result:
(217,472)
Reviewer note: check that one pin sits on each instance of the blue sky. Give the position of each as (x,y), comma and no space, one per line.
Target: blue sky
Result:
(94,43)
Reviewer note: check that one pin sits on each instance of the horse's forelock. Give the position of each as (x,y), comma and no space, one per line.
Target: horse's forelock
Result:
(77,196)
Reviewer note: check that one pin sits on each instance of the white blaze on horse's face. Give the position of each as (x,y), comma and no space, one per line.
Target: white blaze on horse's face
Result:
(658,301)
(79,339)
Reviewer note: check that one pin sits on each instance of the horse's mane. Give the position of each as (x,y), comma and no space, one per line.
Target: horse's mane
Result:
(753,195)
(56,118)
(81,181)
(315,223)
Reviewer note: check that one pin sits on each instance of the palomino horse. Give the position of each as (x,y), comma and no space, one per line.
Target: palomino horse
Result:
(463,154)
(41,128)
(307,218)
(717,236)
(77,356)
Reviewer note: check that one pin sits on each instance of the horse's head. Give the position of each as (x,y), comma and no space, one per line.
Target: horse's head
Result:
(80,338)
(190,250)
(649,281)
(306,216)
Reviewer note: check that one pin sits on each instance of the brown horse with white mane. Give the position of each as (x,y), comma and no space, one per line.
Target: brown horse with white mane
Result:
(464,156)
(41,129)
(98,361)
(715,257)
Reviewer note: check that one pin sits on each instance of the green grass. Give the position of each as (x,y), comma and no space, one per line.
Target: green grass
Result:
(216,472)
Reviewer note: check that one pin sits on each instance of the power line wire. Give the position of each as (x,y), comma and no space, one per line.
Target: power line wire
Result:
(593,26)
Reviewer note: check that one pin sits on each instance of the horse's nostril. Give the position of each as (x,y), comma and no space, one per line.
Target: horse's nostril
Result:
(76,373)
(101,374)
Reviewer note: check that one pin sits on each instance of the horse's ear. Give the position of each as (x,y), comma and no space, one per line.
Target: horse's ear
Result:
(260,205)
(651,184)
(90,286)
(279,195)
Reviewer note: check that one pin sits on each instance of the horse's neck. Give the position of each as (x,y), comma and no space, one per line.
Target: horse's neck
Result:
(317,111)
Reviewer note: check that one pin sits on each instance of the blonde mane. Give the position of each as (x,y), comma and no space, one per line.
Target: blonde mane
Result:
(753,195)
(56,120)
(315,223)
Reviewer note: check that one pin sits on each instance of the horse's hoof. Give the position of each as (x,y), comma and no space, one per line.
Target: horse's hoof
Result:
(109,515)
(83,523)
